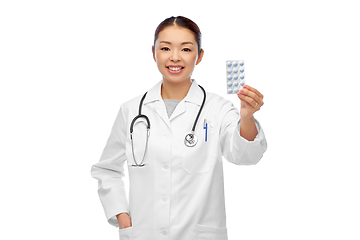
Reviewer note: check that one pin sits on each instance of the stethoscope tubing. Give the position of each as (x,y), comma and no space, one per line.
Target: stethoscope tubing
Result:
(202,105)
(190,138)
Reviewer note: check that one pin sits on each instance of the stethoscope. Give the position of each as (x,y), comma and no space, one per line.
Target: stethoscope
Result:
(190,138)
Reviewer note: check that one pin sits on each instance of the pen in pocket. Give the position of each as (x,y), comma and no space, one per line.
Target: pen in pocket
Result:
(205,127)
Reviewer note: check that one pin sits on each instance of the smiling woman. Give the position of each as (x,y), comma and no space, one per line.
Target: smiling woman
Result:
(176,50)
(177,190)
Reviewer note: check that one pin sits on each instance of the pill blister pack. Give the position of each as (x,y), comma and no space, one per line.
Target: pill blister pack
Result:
(235,75)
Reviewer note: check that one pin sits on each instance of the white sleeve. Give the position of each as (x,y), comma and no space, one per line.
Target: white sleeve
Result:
(234,147)
(109,172)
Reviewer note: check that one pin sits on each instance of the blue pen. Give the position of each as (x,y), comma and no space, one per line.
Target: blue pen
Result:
(205,127)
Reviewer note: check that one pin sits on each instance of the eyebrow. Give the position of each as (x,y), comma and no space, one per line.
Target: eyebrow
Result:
(181,43)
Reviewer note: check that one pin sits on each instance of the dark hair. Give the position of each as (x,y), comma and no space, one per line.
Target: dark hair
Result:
(181,22)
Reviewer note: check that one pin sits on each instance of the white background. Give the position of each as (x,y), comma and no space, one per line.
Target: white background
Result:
(66,66)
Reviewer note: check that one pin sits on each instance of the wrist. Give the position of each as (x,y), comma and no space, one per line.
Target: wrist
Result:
(117,216)
(248,128)
(249,119)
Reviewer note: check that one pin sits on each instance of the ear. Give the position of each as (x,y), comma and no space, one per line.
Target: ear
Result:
(200,57)
(153,51)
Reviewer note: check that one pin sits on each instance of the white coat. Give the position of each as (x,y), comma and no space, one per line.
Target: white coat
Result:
(179,193)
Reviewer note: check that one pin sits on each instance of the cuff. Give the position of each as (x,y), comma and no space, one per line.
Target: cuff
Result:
(252,150)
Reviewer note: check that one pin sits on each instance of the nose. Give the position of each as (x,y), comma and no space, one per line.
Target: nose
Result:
(175,56)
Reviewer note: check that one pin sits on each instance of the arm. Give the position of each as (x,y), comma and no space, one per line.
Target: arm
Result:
(242,138)
(109,172)
(248,129)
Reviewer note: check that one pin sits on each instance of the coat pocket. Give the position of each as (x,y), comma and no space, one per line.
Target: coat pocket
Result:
(126,233)
(211,233)
(201,157)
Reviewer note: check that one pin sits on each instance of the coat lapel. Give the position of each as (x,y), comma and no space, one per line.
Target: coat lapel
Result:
(180,109)
(194,95)
(161,111)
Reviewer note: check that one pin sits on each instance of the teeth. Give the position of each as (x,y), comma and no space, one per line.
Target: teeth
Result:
(175,68)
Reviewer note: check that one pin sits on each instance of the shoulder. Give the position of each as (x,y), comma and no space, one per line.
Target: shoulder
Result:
(219,107)
(131,104)
(216,101)
(133,101)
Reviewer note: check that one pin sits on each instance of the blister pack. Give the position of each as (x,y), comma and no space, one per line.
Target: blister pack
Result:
(235,75)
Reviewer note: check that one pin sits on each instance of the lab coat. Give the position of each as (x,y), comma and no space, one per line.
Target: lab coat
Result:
(179,193)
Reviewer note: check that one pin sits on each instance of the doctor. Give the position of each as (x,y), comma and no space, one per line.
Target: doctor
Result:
(175,172)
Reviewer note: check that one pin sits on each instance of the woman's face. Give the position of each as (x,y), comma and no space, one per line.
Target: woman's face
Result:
(176,54)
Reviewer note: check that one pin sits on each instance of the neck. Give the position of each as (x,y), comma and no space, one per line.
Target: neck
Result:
(177,91)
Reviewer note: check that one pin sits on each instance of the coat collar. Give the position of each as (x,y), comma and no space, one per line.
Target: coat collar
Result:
(194,95)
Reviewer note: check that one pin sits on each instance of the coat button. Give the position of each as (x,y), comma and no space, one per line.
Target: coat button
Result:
(166,166)
(164,232)
(164,198)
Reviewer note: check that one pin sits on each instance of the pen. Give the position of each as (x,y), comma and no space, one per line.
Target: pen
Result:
(205,127)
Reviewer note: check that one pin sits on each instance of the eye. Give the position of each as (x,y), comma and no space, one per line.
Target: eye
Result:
(187,49)
(165,49)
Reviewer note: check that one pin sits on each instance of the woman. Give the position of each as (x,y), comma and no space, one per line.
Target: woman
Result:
(175,170)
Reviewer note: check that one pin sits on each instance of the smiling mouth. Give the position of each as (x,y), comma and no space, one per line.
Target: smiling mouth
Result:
(175,68)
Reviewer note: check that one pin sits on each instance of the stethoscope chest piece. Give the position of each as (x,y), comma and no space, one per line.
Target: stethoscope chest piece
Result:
(190,140)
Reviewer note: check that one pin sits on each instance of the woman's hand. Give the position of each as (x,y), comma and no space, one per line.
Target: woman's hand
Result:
(251,101)
(124,220)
